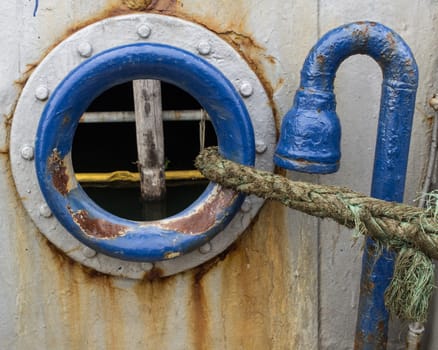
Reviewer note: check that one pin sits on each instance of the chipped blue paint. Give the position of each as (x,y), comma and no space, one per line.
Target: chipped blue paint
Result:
(311,132)
(100,230)
(35,9)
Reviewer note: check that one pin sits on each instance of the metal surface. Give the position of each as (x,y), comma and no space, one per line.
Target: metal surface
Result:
(76,92)
(119,117)
(123,176)
(289,281)
(310,139)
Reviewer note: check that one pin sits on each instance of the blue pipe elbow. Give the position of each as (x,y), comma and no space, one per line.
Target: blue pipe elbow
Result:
(310,132)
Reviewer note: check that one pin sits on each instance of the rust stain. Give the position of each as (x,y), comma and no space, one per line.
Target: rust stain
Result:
(58,171)
(66,120)
(29,70)
(204,269)
(253,53)
(381,334)
(279,84)
(97,227)
(200,313)
(85,307)
(255,296)
(368,287)
(153,274)
(359,340)
(361,34)
(391,40)
(85,295)
(256,283)
(235,35)
(7,121)
(271,59)
(154,301)
(321,59)
(204,218)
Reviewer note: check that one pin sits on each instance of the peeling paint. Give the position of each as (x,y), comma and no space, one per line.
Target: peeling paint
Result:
(58,171)
(172,255)
(204,218)
(97,227)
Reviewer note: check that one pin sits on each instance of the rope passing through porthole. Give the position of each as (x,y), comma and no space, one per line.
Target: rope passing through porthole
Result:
(410,231)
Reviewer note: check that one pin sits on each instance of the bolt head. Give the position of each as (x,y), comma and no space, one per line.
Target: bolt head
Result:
(144,31)
(147,266)
(204,48)
(261,147)
(246,89)
(45,211)
(85,49)
(27,152)
(246,205)
(42,93)
(88,252)
(206,248)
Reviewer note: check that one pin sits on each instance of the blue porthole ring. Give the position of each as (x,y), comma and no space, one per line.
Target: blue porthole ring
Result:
(103,231)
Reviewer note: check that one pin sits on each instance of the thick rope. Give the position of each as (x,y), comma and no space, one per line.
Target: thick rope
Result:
(411,231)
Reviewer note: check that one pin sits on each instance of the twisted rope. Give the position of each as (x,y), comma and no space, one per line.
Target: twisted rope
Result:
(409,230)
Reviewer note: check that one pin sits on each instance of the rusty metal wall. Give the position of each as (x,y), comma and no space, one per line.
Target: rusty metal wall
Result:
(291,282)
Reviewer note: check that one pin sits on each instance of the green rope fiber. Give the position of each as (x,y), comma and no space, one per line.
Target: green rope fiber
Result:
(411,287)
(410,231)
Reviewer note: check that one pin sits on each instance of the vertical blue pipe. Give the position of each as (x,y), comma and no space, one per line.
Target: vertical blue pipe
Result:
(310,142)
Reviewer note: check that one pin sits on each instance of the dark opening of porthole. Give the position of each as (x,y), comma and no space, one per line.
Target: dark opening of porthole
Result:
(105,142)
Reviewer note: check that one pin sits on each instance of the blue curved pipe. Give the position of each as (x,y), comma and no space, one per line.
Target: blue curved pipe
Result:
(311,132)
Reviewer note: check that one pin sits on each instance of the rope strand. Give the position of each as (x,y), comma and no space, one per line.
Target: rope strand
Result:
(410,230)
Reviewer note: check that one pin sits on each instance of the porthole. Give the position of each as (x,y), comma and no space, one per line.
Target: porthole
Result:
(100,37)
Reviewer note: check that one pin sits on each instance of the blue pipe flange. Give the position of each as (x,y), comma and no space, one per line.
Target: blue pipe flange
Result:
(78,69)
(107,233)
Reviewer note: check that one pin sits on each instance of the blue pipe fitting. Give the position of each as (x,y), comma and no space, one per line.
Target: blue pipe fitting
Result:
(310,132)
(90,224)
(310,142)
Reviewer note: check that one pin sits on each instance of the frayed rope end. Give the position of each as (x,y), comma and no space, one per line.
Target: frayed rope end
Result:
(409,293)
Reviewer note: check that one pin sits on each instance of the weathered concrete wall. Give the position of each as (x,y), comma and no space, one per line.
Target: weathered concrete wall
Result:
(291,282)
